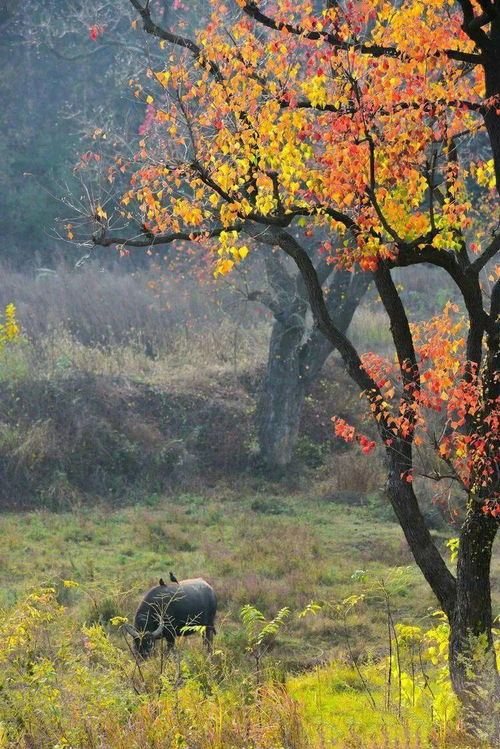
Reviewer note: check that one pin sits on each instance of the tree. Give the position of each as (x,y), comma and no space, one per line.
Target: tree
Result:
(55,43)
(297,351)
(289,121)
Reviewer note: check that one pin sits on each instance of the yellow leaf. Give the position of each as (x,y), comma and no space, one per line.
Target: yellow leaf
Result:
(163,78)
(223,267)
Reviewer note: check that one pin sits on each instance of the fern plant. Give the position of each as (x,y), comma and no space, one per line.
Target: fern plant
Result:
(260,632)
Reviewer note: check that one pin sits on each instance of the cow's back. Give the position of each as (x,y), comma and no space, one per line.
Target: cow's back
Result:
(191,601)
(194,602)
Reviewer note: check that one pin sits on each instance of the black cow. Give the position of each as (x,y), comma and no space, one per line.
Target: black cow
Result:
(167,608)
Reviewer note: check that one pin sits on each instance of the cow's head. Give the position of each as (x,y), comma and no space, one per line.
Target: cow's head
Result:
(144,640)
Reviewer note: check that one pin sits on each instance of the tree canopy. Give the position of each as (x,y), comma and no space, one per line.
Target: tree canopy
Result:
(338,120)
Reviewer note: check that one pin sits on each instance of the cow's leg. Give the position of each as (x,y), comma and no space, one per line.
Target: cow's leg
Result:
(208,637)
(166,646)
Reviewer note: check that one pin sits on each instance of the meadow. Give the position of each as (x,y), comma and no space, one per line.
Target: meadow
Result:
(69,679)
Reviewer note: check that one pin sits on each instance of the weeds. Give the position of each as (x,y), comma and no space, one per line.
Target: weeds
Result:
(71,684)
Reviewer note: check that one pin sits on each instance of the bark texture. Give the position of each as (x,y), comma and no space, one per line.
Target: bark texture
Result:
(472,657)
(297,353)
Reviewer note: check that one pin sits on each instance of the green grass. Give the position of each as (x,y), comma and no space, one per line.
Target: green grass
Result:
(307,552)
(67,678)
(66,675)
(335,707)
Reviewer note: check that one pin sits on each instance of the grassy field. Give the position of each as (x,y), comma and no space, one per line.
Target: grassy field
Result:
(268,551)
(67,677)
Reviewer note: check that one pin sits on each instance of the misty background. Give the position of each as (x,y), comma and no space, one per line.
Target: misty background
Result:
(150,321)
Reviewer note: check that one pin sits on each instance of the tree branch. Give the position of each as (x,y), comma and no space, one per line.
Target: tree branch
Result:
(400,329)
(466,278)
(373,194)
(426,106)
(478,264)
(267,300)
(181,41)
(401,493)
(322,317)
(103,239)
(374,50)
(473,24)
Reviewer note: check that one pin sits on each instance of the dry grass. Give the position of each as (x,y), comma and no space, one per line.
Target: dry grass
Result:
(115,324)
(370,331)
(111,393)
(107,307)
(199,359)
(356,473)
(118,390)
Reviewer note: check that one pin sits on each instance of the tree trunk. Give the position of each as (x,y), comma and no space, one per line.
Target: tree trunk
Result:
(295,360)
(282,394)
(473,668)
(466,601)
(405,504)
(472,658)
